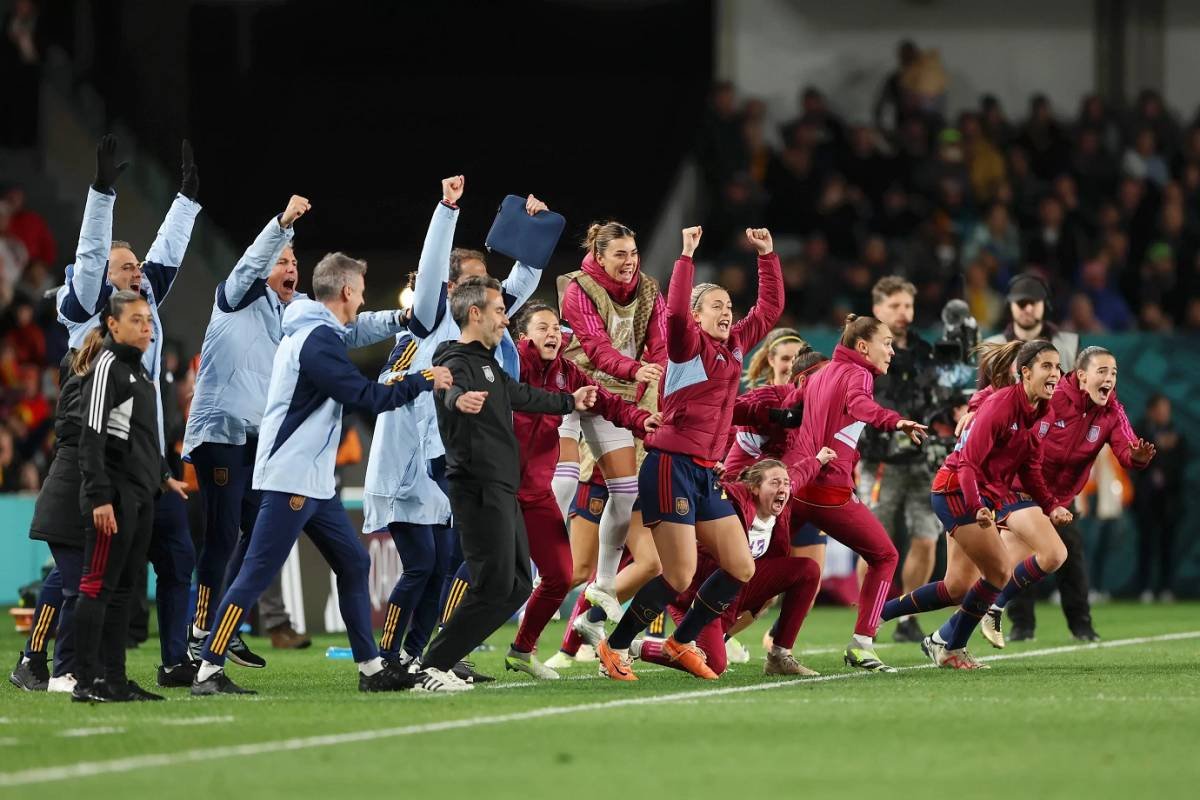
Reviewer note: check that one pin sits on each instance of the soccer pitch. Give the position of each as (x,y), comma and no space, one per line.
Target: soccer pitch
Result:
(1052,718)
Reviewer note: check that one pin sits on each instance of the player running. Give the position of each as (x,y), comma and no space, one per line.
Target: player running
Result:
(682,501)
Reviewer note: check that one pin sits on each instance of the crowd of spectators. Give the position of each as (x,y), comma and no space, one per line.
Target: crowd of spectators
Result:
(1105,206)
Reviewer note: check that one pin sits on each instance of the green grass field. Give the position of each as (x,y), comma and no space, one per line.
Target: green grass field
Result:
(1052,718)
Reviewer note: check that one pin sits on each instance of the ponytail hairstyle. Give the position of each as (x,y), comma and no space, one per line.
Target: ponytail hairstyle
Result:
(521,326)
(806,363)
(1088,353)
(753,475)
(81,363)
(600,235)
(859,329)
(996,360)
(759,369)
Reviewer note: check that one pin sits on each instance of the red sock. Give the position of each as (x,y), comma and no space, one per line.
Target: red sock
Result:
(571,639)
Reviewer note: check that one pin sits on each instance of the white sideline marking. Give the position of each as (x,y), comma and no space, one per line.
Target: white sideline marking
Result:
(197,720)
(72,733)
(118,765)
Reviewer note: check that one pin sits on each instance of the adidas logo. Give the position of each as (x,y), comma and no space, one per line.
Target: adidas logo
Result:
(1013,427)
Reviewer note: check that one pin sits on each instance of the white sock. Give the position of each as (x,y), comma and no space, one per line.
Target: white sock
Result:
(635,648)
(206,671)
(937,638)
(198,634)
(865,642)
(614,530)
(371,666)
(565,484)
(904,618)
(994,607)
(776,650)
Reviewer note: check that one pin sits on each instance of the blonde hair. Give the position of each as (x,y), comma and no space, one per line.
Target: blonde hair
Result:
(701,289)
(754,474)
(758,371)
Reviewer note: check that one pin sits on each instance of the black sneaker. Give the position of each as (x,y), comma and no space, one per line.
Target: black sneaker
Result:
(217,683)
(465,670)
(196,646)
(179,676)
(32,675)
(102,691)
(1020,634)
(139,694)
(908,631)
(394,677)
(1085,634)
(242,655)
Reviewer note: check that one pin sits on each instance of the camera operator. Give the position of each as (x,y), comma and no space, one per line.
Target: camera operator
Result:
(1028,302)
(895,475)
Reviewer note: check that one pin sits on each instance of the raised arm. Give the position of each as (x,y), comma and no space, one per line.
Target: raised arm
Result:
(433,270)
(166,254)
(375,326)
(323,361)
(233,293)
(683,334)
(78,299)
(751,329)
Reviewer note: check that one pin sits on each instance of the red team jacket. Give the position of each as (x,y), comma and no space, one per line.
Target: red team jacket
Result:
(756,436)
(999,446)
(702,377)
(1072,435)
(585,322)
(838,403)
(538,433)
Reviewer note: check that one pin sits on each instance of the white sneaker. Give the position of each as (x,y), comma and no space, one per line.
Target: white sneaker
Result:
(560,661)
(736,652)
(585,653)
(529,664)
(599,597)
(435,680)
(1147,597)
(65,683)
(592,632)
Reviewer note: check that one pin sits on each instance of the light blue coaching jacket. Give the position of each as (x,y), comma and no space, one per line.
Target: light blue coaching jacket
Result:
(87,288)
(398,486)
(239,347)
(312,378)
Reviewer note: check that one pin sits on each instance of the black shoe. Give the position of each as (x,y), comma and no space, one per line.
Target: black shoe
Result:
(139,694)
(218,683)
(1020,634)
(465,670)
(177,677)
(242,655)
(195,646)
(908,631)
(394,677)
(1085,633)
(102,691)
(32,675)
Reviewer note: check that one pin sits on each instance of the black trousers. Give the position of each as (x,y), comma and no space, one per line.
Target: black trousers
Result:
(496,551)
(110,566)
(1157,519)
(1072,580)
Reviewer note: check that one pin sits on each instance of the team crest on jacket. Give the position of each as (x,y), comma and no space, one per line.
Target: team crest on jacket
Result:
(681,506)
(1043,429)
(561,380)
(596,506)
(221,476)
(737,354)
(297,502)
(487,373)
(1093,434)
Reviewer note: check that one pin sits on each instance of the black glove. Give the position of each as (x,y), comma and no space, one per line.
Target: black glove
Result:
(107,168)
(787,417)
(190,187)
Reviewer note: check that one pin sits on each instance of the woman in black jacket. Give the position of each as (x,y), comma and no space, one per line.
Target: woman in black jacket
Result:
(121,471)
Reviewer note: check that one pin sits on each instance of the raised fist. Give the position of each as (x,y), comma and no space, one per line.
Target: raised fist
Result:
(297,207)
(452,188)
(691,239)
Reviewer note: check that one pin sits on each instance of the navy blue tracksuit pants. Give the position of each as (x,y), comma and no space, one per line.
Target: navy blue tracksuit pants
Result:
(224,472)
(173,557)
(281,517)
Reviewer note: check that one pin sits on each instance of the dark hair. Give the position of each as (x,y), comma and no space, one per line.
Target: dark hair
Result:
(889,285)
(81,362)
(1088,353)
(526,317)
(460,254)
(996,360)
(333,272)
(807,362)
(470,293)
(859,329)
(600,235)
